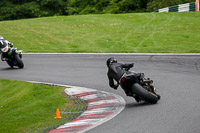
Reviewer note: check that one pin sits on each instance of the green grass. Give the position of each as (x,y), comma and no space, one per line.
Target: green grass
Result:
(129,33)
(27,107)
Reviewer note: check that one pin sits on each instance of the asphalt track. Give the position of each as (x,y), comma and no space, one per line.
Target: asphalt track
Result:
(177,79)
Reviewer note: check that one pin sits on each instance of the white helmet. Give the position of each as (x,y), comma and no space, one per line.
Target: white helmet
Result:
(3,46)
(1,38)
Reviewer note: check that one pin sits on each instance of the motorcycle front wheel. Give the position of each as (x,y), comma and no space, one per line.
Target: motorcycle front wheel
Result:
(19,61)
(144,94)
(10,63)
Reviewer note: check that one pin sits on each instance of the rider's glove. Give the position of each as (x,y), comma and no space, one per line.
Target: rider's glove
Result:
(11,45)
(131,65)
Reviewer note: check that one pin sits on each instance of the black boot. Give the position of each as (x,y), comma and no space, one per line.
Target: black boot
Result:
(129,93)
(137,99)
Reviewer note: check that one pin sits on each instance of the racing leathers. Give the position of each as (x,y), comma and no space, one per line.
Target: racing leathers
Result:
(116,72)
(3,54)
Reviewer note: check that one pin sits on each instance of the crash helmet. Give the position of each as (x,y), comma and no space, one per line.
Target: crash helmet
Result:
(2,38)
(110,61)
(3,46)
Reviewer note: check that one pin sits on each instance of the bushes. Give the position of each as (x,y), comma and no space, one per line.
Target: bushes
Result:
(17,9)
(102,6)
(86,6)
(118,6)
(53,7)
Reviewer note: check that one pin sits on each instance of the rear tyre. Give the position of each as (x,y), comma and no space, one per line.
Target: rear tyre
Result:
(144,94)
(19,61)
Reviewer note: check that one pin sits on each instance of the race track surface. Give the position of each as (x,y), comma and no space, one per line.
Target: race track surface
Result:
(177,79)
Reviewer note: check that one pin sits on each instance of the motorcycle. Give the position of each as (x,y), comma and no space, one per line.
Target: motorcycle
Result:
(140,87)
(12,56)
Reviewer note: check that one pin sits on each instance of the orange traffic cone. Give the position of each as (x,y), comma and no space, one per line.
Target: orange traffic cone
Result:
(58,114)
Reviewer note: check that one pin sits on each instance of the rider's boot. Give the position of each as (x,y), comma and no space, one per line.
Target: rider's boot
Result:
(129,93)
(2,57)
(137,99)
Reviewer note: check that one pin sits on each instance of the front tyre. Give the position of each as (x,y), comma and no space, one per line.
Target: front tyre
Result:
(20,63)
(10,64)
(144,94)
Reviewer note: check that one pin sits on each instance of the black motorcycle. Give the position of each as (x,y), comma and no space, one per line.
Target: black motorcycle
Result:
(12,56)
(140,87)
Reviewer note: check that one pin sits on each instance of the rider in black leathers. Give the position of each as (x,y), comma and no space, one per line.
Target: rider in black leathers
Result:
(116,72)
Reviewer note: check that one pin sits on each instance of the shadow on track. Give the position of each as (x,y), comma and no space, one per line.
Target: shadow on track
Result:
(132,105)
(9,69)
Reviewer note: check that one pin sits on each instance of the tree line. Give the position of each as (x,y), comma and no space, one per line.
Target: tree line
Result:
(18,9)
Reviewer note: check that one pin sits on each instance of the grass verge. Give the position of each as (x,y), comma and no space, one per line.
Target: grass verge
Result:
(105,33)
(27,107)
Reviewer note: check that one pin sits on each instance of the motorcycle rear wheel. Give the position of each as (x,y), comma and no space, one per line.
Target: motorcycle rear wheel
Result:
(144,94)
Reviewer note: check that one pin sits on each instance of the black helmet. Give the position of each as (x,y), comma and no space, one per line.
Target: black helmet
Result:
(110,61)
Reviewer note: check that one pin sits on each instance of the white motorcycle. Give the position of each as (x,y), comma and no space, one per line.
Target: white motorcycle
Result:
(11,55)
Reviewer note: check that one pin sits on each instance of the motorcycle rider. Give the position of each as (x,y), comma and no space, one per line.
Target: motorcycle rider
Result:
(4,46)
(116,72)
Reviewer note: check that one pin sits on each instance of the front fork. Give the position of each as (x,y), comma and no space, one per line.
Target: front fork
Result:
(153,89)
(20,53)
